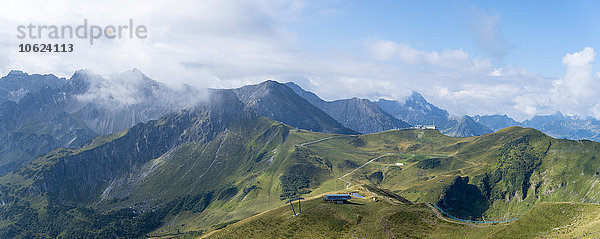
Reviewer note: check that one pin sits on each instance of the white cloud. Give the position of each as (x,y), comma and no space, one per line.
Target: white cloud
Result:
(384,50)
(196,42)
(520,94)
(449,59)
(596,111)
(525,105)
(132,87)
(573,94)
(348,87)
(475,98)
(578,80)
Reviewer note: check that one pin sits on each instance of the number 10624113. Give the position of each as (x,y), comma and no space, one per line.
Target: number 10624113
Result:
(45,47)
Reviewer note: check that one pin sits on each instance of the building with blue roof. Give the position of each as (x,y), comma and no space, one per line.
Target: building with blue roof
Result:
(337,198)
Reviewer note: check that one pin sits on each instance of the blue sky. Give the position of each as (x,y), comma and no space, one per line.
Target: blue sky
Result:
(520,58)
(538,33)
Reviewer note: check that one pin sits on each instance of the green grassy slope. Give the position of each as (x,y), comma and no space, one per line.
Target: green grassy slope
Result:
(256,164)
(510,170)
(365,218)
(554,220)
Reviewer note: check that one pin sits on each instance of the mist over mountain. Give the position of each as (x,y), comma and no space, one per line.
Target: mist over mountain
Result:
(47,112)
(122,100)
(361,115)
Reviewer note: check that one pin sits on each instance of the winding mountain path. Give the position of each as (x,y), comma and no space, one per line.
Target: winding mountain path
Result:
(342,177)
(373,159)
(439,215)
(318,140)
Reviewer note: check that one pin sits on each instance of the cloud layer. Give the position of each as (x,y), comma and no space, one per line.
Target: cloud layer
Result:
(223,44)
(452,59)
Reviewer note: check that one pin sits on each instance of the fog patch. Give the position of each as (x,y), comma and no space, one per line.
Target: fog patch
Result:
(132,87)
(119,101)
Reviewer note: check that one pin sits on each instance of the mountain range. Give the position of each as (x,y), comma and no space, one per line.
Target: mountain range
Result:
(42,112)
(128,157)
(39,113)
(361,115)
(277,101)
(556,125)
